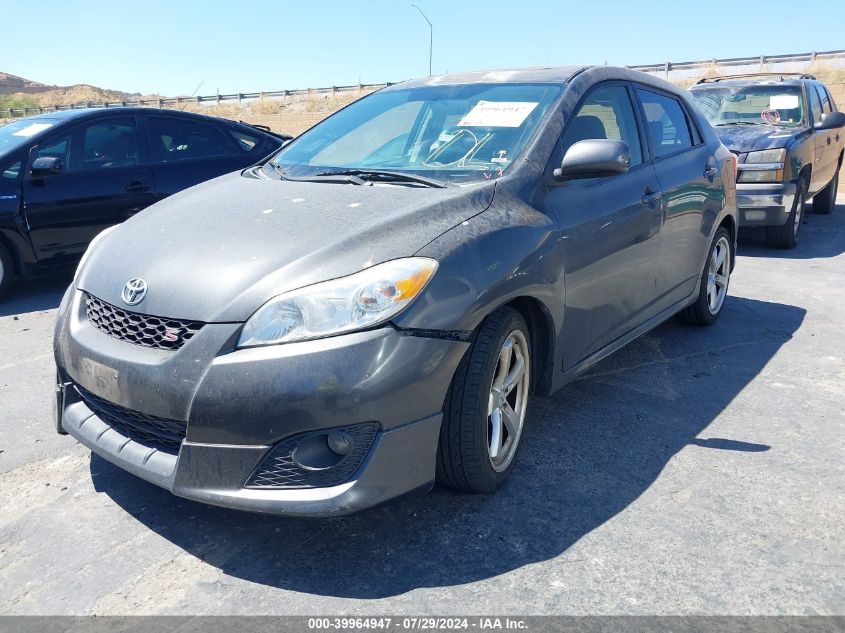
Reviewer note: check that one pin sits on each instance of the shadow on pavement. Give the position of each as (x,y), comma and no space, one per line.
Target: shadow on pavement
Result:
(589,452)
(35,295)
(821,236)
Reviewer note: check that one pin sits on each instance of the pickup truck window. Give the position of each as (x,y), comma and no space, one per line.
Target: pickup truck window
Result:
(754,104)
(815,103)
(826,105)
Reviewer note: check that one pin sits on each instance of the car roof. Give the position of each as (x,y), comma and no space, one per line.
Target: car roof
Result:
(83,113)
(560,74)
(751,81)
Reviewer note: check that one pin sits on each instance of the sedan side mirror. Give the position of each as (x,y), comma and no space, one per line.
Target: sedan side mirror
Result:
(594,158)
(831,120)
(46,166)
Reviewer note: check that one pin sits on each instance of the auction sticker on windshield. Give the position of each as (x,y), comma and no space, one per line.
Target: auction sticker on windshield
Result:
(498,114)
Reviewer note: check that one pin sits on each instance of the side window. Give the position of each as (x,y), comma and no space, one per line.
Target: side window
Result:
(606,114)
(106,145)
(830,99)
(815,104)
(172,139)
(246,142)
(12,171)
(55,148)
(666,124)
(826,106)
(101,145)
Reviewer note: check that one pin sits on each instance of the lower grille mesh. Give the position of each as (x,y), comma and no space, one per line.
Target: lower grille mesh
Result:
(165,435)
(279,470)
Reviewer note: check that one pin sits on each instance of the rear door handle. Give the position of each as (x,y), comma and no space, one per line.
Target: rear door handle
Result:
(138,186)
(652,197)
(828,140)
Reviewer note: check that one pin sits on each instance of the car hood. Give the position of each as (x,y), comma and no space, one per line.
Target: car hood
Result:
(750,138)
(218,251)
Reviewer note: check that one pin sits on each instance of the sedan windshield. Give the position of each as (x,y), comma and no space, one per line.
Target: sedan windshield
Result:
(729,105)
(17,133)
(450,133)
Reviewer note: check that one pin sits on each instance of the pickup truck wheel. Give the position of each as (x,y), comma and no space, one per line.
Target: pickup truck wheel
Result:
(825,200)
(786,236)
(714,283)
(485,408)
(6,270)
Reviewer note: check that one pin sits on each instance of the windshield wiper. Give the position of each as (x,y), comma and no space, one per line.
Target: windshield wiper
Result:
(386,176)
(737,123)
(329,177)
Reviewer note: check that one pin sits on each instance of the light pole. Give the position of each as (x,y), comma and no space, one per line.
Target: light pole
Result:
(430,36)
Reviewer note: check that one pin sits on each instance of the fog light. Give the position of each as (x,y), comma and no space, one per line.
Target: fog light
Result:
(755,215)
(339,443)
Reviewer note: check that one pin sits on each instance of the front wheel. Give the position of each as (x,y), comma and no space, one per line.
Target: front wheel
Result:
(825,200)
(6,270)
(485,408)
(786,236)
(714,282)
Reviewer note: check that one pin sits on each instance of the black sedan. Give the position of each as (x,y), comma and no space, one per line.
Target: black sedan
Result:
(67,175)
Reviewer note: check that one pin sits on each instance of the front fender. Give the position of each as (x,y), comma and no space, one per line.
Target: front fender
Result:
(509,251)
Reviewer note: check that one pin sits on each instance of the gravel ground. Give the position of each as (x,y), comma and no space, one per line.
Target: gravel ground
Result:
(696,471)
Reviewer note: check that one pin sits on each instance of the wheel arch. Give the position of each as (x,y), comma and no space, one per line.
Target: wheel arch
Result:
(541,331)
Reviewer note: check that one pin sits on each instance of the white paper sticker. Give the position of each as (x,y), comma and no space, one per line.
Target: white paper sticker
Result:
(498,114)
(783,102)
(32,129)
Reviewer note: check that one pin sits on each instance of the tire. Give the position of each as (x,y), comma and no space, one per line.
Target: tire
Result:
(825,200)
(786,236)
(705,310)
(465,459)
(7,270)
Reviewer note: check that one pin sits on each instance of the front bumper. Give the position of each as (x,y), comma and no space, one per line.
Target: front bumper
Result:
(763,204)
(237,405)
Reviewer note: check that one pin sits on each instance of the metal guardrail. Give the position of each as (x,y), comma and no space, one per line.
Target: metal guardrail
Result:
(249,96)
(162,102)
(762,60)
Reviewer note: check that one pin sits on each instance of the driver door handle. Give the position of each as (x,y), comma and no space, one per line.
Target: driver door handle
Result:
(710,172)
(138,186)
(651,196)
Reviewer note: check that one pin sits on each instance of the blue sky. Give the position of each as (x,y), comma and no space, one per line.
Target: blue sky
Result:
(170,46)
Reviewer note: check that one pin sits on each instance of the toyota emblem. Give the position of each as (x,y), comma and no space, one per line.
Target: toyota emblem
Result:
(134,291)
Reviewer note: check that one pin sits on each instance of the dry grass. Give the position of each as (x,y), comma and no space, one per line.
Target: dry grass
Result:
(828,72)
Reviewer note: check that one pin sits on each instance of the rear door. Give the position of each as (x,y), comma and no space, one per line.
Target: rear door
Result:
(103,182)
(692,192)
(185,151)
(610,228)
(828,142)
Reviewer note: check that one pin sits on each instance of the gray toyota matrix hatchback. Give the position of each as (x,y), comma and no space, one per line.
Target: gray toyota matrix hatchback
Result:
(367,311)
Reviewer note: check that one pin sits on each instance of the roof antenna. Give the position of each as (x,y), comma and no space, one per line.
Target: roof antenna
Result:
(199,85)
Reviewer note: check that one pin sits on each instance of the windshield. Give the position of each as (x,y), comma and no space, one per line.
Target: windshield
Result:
(17,133)
(774,105)
(452,133)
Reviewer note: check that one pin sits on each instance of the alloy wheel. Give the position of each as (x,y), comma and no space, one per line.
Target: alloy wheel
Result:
(508,400)
(718,275)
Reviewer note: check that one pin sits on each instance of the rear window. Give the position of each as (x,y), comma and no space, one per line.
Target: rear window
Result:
(246,142)
(173,139)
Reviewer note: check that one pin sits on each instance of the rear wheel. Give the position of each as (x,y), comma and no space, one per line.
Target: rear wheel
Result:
(825,200)
(485,407)
(6,270)
(714,282)
(786,236)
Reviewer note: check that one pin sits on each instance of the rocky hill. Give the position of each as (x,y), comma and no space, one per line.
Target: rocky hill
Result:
(19,89)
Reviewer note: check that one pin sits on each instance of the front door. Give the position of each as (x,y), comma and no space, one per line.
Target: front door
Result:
(103,182)
(610,229)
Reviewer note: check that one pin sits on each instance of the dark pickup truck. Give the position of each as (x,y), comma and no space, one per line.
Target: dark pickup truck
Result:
(788,136)
(67,175)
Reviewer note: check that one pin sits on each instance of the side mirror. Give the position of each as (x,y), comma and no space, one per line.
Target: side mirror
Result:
(46,166)
(594,158)
(831,120)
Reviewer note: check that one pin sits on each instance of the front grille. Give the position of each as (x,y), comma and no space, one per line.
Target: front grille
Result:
(140,329)
(149,430)
(279,470)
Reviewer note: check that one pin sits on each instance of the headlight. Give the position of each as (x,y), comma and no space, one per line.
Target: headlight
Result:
(90,248)
(763,166)
(358,301)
